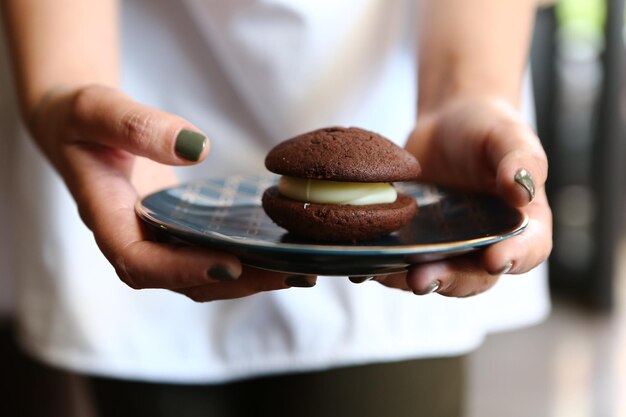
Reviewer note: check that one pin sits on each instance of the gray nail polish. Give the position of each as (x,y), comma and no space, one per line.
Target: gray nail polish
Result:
(433,287)
(221,273)
(523,178)
(299,281)
(189,144)
(360,280)
(507,268)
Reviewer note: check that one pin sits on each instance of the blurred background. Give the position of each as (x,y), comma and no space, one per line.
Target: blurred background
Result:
(577,61)
(572,365)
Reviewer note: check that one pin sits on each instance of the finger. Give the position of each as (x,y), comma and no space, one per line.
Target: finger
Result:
(106,204)
(475,273)
(105,116)
(482,145)
(520,163)
(528,249)
(252,281)
(458,277)
(146,264)
(397,281)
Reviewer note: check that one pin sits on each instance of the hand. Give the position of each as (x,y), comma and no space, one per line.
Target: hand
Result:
(105,146)
(482,145)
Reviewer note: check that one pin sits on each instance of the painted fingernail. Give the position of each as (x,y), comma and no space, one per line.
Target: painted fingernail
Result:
(523,178)
(300,281)
(507,268)
(221,273)
(360,280)
(189,144)
(433,287)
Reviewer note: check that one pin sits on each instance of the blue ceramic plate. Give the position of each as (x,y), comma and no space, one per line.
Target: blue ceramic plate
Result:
(226,214)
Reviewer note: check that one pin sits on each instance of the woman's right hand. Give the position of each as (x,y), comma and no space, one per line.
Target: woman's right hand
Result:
(111,150)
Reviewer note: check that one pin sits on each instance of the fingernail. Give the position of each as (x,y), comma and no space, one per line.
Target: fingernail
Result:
(221,273)
(523,178)
(433,287)
(360,280)
(190,144)
(506,269)
(300,281)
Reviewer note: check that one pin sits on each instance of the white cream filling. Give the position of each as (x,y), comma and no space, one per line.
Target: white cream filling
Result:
(334,192)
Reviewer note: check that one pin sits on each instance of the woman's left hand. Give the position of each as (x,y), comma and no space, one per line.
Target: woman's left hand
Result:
(482,145)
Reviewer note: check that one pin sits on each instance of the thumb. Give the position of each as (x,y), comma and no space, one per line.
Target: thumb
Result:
(105,116)
(520,163)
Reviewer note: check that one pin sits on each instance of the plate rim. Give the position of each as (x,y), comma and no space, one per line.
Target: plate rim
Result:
(324,249)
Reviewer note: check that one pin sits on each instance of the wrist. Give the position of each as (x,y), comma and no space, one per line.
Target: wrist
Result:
(467,87)
(433,104)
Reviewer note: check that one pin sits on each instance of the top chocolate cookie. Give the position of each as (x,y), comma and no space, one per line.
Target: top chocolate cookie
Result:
(343,154)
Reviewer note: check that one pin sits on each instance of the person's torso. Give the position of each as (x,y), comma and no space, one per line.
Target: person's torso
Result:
(249,73)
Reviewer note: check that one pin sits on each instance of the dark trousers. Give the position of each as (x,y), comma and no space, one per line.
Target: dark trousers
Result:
(432,387)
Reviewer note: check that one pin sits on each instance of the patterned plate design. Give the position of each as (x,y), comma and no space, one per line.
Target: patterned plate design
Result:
(226,214)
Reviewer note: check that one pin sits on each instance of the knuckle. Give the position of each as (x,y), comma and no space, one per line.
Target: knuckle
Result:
(129,268)
(84,100)
(137,128)
(125,273)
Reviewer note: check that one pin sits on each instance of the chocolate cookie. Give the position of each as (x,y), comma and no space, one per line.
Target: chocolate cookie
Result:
(338,223)
(336,185)
(343,154)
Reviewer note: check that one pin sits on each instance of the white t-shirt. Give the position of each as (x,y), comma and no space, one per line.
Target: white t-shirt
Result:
(249,73)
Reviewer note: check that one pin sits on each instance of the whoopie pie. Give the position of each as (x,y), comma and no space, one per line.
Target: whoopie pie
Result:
(336,185)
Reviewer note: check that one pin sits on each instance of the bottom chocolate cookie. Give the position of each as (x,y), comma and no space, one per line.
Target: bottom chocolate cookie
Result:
(338,223)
